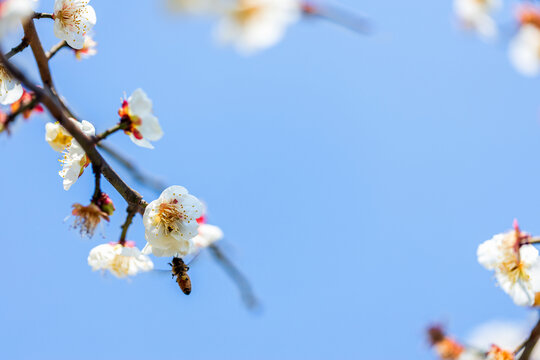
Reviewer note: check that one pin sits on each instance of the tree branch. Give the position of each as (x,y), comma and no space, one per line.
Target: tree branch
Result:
(17,49)
(56,48)
(131,211)
(38,15)
(56,109)
(108,132)
(530,343)
(246,291)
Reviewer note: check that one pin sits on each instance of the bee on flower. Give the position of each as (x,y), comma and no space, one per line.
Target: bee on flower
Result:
(10,89)
(170,222)
(477,15)
(13,12)
(524,48)
(73,19)
(89,49)
(25,100)
(252,25)
(137,120)
(121,260)
(516,264)
(75,159)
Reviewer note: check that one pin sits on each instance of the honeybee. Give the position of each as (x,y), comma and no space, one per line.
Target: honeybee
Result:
(180,269)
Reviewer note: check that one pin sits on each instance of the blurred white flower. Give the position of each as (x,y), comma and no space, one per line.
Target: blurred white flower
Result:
(506,334)
(88,49)
(516,266)
(252,25)
(72,20)
(170,222)
(476,14)
(12,12)
(10,89)
(525,50)
(75,160)
(57,137)
(498,353)
(142,125)
(195,6)
(120,260)
(208,234)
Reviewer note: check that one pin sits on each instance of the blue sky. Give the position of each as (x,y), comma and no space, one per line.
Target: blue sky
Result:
(353,177)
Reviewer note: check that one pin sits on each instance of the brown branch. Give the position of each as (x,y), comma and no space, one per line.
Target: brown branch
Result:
(108,132)
(131,211)
(21,110)
(246,291)
(52,103)
(37,49)
(56,48)
(17,49)
(97,188)
(338,16)
(530,343)
(38,15)
(145,180)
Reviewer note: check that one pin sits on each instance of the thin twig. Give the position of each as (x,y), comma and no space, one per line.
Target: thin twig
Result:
(338,16)
(56,48)
(57,111)
(131,211)
(38,15)
(21,110)
(530,343)
(17,49)
(246,291)
(108,132)
(145,180)
(97,188)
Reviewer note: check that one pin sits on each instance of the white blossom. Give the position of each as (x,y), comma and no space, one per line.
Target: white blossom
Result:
(170,222)
(143,126)
(517,268)
(194,6)
(75,160)
(72,21)
(208,234)
(120,260)
(89,49)
(13,12)
(476,14)
(57,137)
(525,50)
(252,25)
(10,89)
(506,334)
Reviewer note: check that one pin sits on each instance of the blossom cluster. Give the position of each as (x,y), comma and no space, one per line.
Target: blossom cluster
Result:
(524,47)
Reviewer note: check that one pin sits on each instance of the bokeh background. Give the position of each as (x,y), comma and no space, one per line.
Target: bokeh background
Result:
(353,177)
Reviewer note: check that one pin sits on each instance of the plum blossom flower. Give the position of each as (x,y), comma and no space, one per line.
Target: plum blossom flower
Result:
(72,21)
(506,334)
(12,12)
(120,260)
(89,49)
(87,218)
(75,159)
(525,50)
(516,265)
(57,137)
(10,89)
(476,15)
(445,347)
(138,121)
(194,6)
(25,100)
(170,222)
(496,353)
(252,25)
(208,234)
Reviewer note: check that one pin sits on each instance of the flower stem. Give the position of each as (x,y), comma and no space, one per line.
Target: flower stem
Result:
(131,211)
(56,48)
(17,49)
(108,132)
(38,15)
(97,189)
